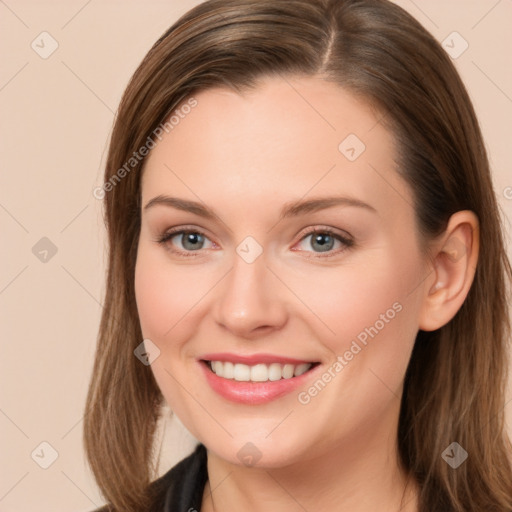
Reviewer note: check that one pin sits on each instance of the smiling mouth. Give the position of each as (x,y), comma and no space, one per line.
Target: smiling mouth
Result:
(259,372)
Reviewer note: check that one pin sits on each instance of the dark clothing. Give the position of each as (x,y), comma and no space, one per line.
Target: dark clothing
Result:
(184,483)
(181,488)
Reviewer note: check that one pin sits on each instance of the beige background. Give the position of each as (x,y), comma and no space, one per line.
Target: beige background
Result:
(56,116)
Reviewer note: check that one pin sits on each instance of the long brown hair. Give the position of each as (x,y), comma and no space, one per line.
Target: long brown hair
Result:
(455,383)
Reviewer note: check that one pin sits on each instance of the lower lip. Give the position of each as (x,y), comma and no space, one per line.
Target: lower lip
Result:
(253,393)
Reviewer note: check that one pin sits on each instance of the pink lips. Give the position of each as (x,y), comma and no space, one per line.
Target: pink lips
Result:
(251,360)
(252,393)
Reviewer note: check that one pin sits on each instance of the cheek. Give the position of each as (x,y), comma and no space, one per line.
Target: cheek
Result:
(165,294)
(359,300)
(369,323)
(368,316)
(165,299)
(155,301)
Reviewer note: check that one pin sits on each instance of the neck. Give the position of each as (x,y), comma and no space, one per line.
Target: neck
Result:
(358,475)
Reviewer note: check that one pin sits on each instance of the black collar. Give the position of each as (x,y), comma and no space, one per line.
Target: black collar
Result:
(181,488)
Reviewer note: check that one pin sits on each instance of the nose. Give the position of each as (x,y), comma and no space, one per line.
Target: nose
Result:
(250,301)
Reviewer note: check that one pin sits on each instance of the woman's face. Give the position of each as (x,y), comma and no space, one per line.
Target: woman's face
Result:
(289,244)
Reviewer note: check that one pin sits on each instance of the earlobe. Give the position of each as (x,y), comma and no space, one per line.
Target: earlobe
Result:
(454,259)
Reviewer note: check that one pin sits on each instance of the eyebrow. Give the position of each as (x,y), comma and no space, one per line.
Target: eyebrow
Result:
(291,209)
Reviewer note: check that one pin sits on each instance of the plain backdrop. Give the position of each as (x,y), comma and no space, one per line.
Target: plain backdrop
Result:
(56,115)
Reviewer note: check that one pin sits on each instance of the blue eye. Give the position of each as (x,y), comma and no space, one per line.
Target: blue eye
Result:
(324,241)
(186,240)
(191,241)
(320,241)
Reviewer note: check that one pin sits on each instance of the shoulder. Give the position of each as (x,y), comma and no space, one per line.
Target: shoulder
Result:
(181,488)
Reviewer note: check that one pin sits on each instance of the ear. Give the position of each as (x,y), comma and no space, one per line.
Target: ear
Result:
(454,257)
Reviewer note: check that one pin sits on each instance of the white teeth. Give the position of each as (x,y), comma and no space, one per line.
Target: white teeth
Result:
(241,372)
(274,372)
(301,368)
(288,370)
(228,370)
(258,372)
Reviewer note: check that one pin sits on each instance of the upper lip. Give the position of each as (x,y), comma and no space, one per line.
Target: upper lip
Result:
(252,359)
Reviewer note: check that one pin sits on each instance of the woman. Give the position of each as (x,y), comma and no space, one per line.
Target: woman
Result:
(307,264)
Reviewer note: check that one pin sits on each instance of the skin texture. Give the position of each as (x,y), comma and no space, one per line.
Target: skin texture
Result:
(245,157)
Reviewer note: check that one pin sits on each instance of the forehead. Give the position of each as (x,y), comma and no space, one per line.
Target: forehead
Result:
(286,138)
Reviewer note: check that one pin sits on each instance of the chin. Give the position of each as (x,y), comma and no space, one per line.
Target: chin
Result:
(258,452)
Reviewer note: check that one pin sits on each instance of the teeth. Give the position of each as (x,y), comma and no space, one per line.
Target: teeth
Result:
(228,370)
(259,372)
(275,372)
(241,372)
(301,368)
(288,371)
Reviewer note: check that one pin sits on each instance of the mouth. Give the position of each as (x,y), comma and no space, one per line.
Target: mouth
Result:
(258,379)
(259,372)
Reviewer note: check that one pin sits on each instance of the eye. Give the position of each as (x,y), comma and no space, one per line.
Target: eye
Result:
(323,241)
(320,240)
(183,241)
